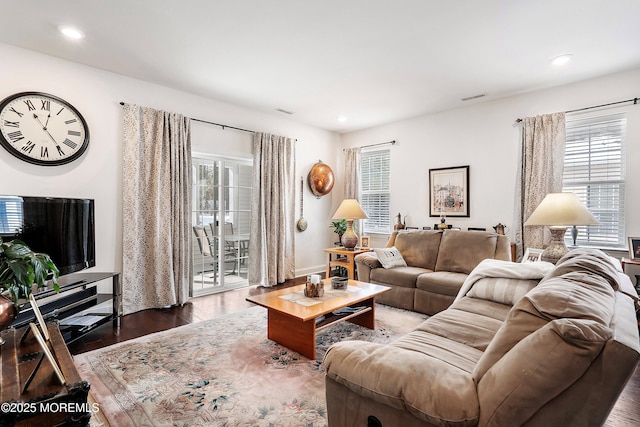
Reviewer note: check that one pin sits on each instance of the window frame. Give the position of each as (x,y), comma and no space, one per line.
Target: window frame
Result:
(601,175)
(381,221)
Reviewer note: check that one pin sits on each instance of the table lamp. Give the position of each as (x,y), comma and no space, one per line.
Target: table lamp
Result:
(559,211)
(349,210)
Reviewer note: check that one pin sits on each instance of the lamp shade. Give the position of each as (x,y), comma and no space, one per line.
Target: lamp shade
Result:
(349,209)
(561,209)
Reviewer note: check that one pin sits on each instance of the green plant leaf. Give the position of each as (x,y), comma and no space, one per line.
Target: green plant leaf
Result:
(339,227)
(17,249)
(21,268)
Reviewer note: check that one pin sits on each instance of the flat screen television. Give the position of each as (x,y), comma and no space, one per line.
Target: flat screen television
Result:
(63,228)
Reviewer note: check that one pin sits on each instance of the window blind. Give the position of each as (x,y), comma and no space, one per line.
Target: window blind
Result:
(594,171)
(10,215)
(375,189)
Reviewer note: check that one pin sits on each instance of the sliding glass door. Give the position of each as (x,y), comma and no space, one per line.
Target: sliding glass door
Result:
(221,214)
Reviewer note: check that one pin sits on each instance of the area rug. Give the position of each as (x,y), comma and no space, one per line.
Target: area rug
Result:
(222,372)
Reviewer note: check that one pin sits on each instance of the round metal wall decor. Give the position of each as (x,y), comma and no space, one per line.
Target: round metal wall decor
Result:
(320,179)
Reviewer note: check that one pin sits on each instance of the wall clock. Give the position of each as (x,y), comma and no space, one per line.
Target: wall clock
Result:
(42,129)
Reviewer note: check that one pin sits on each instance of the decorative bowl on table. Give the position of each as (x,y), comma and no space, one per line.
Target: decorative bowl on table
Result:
(339,282)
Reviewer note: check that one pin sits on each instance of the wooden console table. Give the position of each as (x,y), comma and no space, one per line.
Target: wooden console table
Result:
(343,258)
(46,402)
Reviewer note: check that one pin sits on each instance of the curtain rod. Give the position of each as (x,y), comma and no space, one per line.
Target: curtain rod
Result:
(375,145)
(223,126)
(217,124)
(635,101)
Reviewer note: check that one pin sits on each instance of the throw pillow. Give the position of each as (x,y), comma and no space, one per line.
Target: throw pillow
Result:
(390,257)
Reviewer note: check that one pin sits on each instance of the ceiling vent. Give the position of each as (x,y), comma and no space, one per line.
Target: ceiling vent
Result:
(284,111)
(469,98)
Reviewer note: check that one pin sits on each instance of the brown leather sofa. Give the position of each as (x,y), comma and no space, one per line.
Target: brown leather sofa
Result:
(438,262)
(559,356)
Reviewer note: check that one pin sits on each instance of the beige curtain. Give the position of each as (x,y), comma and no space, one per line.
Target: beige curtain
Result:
(352,169)
(352,173)
(271,252)
(542,163)
(157,264)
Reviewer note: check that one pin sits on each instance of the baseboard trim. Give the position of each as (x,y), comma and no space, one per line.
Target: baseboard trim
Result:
(311,270)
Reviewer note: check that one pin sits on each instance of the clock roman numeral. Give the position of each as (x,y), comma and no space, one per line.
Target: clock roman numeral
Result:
(44,151)
(74,133)
(15,136)
(16,111)
(61,110)
(60,150)
(30,104)
(68,122)
(70,143)
(12,124)
(28,147)
(46,104)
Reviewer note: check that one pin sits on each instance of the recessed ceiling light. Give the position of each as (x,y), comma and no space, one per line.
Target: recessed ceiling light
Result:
(562,59)
(342,119)
(72,33)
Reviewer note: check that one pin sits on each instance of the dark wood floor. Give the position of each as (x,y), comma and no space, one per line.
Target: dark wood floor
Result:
(148,321)
(625,413)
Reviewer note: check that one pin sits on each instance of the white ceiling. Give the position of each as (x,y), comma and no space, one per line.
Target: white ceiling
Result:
(373,61)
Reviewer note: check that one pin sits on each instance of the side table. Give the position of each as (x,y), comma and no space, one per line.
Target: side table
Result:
(624,261)
(343,258)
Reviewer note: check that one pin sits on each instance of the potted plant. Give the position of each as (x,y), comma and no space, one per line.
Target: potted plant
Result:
(339,227)
(21,269)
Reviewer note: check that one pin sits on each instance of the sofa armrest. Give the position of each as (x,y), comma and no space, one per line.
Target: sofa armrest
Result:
(392,239)
(364,264)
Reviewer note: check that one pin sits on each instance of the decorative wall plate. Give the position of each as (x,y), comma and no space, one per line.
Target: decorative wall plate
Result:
(320,179)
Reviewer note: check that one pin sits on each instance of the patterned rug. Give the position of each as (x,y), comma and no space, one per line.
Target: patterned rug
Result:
(221,372)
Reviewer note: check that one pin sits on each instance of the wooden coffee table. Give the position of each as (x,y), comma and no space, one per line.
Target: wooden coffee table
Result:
(294,324)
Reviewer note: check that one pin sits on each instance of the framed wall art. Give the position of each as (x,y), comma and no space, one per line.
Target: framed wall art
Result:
(532,255)
(634,247)
(449,191)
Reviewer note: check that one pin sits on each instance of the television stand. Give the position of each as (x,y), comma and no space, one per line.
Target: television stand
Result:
(77,307)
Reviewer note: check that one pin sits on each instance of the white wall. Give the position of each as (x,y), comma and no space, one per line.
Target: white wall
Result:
(485,137)
(97,174)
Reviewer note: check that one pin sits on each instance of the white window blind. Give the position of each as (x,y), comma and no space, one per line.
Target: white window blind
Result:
(11,216)
(594,171)
(375,189)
